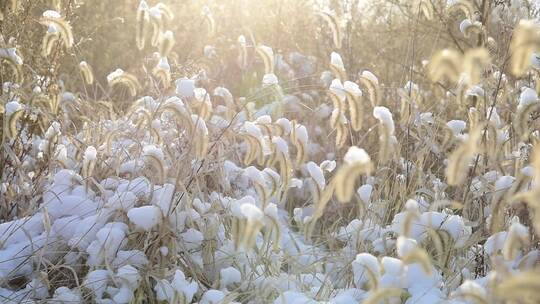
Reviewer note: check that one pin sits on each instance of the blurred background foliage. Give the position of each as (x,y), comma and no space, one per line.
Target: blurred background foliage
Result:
(386,36)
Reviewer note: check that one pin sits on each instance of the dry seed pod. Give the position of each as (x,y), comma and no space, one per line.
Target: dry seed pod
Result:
(382,294)
(54,20)
(274,179)
(200,136)
(89,162)
(474,62)
(521,122)
(209,18)
(275,230)
(386,132)
(179,110)
(518,237)
(337,66)
(356,162)
(420,256)
(267,55)
(426,8)
(356,109)
(437,241)
(468,28)
(156,163)
(465,6)
(523,287)
(143,20)
(157,27)
(164,11)
(370,81)
(119,77)
(54,103)
(11,131)
(86,72)
(525,41)
(254,148)
(166,43)
(338,96)
(458,163)
(445,64)
(472,292)
(325,197)
(162,71)
(299,138)
(14,61)
(242,52)
(335,26)
(49,41)
(341,132)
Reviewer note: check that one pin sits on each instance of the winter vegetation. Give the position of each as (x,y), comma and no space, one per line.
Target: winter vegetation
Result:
(270,151)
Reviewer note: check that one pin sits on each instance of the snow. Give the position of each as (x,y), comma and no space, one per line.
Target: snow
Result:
(185,87)
(528,96)
(65,295)
(335,60)
(212,296)
(12,107)
(352,88)
(356,155)
(183,286)
(51,14)
(270,79)
(405,246)
(457,126)
(369,75)
(363,263)
(317,174)
(328,165)
(11,54)
(145,217)
(90,154)
(302,134)
(229,275)
(96,281)
(115,74)
(385,117)
(364,192)
(464,25)
(219,230)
